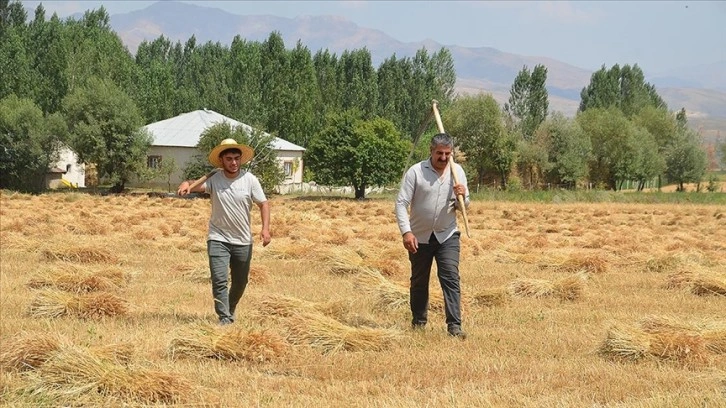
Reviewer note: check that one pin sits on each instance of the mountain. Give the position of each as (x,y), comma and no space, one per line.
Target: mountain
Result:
(701,90)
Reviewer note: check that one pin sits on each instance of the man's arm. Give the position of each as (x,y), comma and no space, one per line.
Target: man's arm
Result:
(265,215)
(197,186)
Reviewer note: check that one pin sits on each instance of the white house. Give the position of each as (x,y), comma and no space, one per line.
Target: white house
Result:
(176,138)
(66,172)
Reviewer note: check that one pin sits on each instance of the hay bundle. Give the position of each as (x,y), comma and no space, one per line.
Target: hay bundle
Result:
(593,264)
(662,264)
(666,339)
(235,344)
(76,372)
(331,336)
(678,346)
(91,305)
(492,297)
(26,352)
(29,351)
(285,306)
(390,295)
(282,306)
(679,279)
(569,288)
(699,283)
(74,282)
(343,261)
(196,274)
(79,254)
(525,287)
(708,284)
(300,251)
(259,274)
(625,344)
(715,339)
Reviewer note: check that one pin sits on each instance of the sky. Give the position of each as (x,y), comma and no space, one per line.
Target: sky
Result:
(660,36)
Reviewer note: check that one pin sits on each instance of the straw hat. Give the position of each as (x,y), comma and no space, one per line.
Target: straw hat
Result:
(247,152)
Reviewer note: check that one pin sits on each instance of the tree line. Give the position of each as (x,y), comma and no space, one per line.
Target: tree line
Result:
(74,82)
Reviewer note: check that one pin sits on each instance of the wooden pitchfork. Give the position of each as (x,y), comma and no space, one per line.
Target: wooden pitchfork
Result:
(459,197)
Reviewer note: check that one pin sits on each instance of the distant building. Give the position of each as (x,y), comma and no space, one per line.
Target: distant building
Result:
(176,138)
(66,172)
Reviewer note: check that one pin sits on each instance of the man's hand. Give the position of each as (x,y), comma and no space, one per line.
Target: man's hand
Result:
(410,242)
(460,189)
(266,237)
(183,188)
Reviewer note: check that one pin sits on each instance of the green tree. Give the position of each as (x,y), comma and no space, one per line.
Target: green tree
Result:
(246,81)
(263,165)
(568,150)
(15,58)
(326,72)
(615,146)
(302,119)
(155,85)
(686,160)
(528,101)
(351,151)
(29,144)
(476,123)
(624,88)
(106,129)
(357,77)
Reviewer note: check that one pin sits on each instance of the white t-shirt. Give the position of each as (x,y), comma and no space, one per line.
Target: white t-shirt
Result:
(231,203)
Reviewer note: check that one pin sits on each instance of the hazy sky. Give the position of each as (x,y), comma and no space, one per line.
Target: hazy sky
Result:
(657,35)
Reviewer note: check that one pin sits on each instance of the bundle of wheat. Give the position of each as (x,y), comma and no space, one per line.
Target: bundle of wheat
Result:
(25,352)
(299,251)
(526,287)
(715,338)
(343,261)
(78,283)
(568,288)
(389,295)
(571,287)
(80,254)
(625,343)
(194,273)
(667,339)
(74,372)
(234,343)
(588,263)
(708,284)
(699,283)
(677,346)
(491,297)
(679,279)
(51,303)
(330,335)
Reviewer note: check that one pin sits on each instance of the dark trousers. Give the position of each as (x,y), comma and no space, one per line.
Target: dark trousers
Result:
(446,255)
(227,260)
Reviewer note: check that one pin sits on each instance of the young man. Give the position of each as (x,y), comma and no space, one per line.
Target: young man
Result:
(229,243)
(430,231)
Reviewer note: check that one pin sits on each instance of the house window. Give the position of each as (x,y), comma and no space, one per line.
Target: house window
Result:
(287,167)
(153,162)
(68,168)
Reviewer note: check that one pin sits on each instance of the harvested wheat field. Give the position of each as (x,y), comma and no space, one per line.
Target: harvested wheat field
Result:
(105,301)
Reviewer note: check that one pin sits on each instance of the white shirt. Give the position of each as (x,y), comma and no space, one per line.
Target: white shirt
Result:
(431,200)
(231,203)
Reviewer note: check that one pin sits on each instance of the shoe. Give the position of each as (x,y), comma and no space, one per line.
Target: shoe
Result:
(457,332)
(225,321)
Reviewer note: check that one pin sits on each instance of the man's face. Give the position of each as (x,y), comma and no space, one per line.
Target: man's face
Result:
(231,161)
(440,156)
